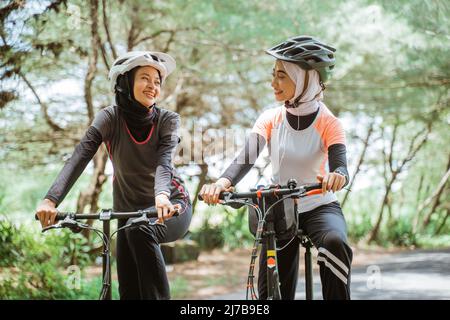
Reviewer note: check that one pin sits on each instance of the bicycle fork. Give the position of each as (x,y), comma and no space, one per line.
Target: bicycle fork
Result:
(106,263)
(273,278)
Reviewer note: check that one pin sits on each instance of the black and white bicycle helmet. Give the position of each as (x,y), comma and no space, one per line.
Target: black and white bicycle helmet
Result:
(307,52)
(163,62)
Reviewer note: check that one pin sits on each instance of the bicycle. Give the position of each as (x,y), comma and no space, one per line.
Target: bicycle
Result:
(266,230)
(69,220)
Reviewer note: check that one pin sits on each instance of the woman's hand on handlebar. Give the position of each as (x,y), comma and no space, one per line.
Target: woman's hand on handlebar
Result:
(210,192)
(165,208)
(46,213)
(331,182)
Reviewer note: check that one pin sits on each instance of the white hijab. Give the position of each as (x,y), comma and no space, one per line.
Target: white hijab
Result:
(310,101)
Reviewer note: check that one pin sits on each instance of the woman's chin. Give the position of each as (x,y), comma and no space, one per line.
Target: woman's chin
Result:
(147,102)
(279,98)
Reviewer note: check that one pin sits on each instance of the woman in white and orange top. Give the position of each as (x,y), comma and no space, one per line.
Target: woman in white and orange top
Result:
(306,142)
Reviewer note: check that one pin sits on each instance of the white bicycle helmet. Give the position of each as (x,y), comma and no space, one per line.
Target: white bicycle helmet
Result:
(163,62)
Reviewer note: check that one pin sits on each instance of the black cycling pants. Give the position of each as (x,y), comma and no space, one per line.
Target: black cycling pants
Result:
(327,230)
(140,264)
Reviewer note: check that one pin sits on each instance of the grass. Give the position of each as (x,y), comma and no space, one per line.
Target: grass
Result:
(222,281)
(180,288)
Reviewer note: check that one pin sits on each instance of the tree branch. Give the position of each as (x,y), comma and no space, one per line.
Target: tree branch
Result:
(134,32)
(363,86)
(44,107)
(169,42)
(413,150)
(159,32)
(360,162)
(106,27)
(391,149)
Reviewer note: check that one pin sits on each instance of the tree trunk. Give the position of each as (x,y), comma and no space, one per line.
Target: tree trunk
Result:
(412,151)
(375,231)
(89,197)
(419,192)
(106,27)
(441,226)
(201,181)
(93,57)
(360,162)
(436,196)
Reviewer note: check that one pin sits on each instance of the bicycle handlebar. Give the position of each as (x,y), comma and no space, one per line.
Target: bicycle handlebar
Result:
(108,215)
(273,191)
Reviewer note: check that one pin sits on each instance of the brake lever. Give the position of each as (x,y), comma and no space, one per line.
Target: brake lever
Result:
(73,225)
(233,204)
(144,220)
(140,221)
(53,226)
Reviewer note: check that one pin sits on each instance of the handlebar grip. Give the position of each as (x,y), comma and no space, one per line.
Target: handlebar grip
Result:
(314,191)
(59,216)
(222,196)
(313,186)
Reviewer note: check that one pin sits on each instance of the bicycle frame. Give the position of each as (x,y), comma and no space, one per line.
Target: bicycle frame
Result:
(273,287)
(70,220)
(266,230)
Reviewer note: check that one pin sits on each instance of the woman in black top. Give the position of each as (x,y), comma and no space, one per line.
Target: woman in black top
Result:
(141,139)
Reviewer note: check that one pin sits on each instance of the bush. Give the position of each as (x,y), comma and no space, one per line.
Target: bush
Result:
(359,227)
(34,265)
(35,273)
(35,281)
(433,241)
(72,248)
(90,289)
(11,247)
(235,228)
(208,236)
(231,231)
(399,233)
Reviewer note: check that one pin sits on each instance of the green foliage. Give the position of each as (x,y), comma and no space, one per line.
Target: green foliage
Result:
(10,249)
(33,280)
(35,266)
(228,228)
(400,233)
(90,289)
(235,228)
(208,236)
(179,288)
(33,274)
(431,241)
(359,227)
(73,248)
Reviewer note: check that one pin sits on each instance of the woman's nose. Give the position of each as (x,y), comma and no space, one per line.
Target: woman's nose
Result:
(150,85)
(272,83)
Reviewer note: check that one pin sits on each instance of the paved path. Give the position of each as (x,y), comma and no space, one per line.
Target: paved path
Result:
(402,276)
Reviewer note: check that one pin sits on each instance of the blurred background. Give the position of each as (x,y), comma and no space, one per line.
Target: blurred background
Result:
(390,88)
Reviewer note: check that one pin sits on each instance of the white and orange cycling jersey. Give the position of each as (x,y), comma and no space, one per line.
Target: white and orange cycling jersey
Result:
(300,154)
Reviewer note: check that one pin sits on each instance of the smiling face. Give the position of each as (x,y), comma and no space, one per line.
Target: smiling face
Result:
(283,86)
(147,85)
